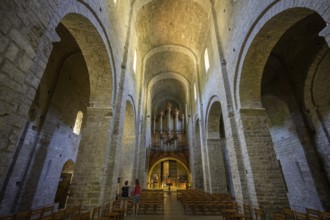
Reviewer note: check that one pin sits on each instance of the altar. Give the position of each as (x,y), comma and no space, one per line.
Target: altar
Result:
(169,187)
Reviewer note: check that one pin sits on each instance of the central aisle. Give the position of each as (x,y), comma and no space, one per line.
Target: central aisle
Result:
(173,210)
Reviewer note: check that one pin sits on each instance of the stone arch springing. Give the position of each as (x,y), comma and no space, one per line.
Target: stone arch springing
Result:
(101,77)
(249,89)
(290,14)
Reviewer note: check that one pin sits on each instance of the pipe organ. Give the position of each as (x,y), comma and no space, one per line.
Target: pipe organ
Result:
(168,129)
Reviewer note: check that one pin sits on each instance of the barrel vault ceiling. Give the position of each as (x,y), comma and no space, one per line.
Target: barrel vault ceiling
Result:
(170,37)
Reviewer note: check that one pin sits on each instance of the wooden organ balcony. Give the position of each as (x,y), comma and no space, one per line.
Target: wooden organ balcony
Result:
(168,131)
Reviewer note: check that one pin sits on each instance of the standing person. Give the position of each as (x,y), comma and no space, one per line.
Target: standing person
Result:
(124,196)
(118,189)
(136,197)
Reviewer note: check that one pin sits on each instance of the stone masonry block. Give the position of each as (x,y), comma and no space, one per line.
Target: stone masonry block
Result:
(14,72)
(23,109)
(24,62)
(5,25)
(12,52)
(22,42)
(3,42)
(10,83)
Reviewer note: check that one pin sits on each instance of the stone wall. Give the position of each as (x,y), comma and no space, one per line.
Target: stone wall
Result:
(41,40)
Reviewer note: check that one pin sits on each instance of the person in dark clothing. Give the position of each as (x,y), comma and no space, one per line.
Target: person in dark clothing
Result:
(124,196)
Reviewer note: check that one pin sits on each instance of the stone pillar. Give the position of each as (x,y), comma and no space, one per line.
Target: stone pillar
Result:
(266,187)
(217,166)
(86,187)
(183,129)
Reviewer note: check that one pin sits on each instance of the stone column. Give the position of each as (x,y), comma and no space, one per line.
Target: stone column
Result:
(265,182)
(86,184)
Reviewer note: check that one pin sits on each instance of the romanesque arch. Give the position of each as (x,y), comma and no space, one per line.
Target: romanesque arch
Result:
(128,145)
(63,191)
(156,175)
(218,154)
(98,110)
(269,71)
(287,80)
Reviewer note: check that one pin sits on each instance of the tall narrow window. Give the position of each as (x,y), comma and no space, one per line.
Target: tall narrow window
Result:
(206,60)
(115,1)
(134,61)
(78,123)
(195,92)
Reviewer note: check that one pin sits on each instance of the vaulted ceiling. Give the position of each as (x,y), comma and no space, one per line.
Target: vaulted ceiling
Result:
(170,38)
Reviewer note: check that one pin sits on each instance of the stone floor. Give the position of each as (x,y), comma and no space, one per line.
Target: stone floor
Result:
(173,211)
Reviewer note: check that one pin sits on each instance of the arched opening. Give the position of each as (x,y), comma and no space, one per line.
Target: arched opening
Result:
(284,85)
(276,75)
(218,155)
(128,150)
(77,78)
(63,91)
(168,170)
(98,112)
(78,123)
(198,175)
(63,192)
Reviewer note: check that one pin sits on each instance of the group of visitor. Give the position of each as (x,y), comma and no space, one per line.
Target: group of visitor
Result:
(126,193)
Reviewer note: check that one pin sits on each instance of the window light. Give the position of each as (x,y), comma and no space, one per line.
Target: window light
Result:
(206,60)
(195,92)
(134,62)
(78,123)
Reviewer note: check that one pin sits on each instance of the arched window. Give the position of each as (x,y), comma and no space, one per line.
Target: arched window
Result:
(78,123)
(206,60)
(134,61)
(195,92)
